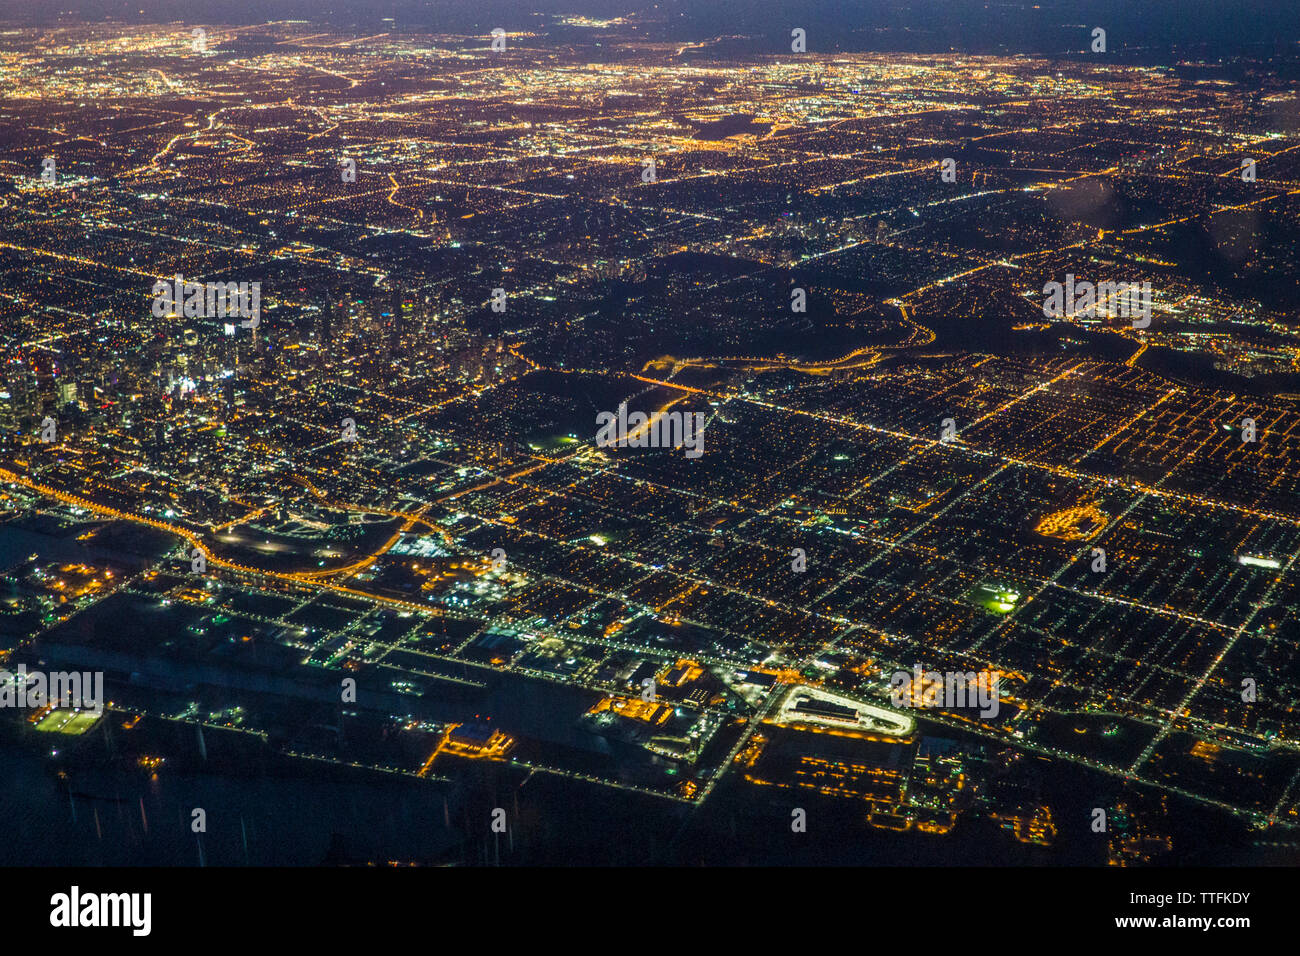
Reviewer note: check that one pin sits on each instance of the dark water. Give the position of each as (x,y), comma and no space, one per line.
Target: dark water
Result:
(120,543)
(16,544)
(286,822)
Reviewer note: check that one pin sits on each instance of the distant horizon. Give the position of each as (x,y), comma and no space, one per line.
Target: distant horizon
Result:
(1141,31)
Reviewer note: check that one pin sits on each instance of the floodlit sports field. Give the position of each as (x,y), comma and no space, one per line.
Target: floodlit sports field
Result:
(70,722)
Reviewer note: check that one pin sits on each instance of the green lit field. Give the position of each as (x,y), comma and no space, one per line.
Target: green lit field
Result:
(69,722)
(995,597)
(553,443)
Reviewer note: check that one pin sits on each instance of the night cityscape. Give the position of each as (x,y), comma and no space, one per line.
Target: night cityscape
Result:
(646,435)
